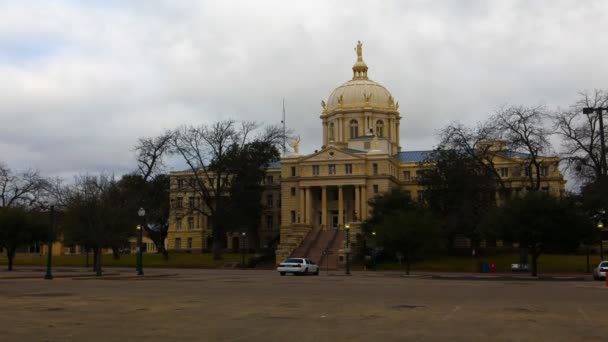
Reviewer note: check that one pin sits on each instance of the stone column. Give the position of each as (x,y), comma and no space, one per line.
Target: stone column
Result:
(358,202)
(302,208)
(308,207)
(363,203)
(325,136)
(340,207)
(324,206)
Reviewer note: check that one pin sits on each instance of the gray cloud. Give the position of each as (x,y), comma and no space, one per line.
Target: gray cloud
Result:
(81,82)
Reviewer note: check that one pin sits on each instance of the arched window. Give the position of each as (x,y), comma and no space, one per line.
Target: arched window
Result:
(331,131)
(379,128)
(354,129)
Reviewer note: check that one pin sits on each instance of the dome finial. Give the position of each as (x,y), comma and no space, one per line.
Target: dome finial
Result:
(359,50)
(360,68)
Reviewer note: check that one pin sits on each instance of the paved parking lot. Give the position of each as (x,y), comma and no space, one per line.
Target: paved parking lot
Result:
(234,305)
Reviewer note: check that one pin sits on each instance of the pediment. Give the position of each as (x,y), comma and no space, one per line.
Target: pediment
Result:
(330,154)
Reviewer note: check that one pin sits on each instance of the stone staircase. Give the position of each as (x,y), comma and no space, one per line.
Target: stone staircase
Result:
(332,261)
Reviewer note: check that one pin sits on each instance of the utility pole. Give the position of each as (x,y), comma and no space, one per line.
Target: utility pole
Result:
(49,274)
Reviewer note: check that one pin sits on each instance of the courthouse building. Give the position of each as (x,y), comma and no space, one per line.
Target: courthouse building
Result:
(311,199)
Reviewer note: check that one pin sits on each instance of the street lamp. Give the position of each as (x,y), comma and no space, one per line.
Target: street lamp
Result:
(599,110)
(600,226)
(49,274)
(243,235)
(140,262)
(347,249)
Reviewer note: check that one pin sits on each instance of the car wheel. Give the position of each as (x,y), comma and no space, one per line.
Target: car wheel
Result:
(305,271)
(282,273)
(316,273)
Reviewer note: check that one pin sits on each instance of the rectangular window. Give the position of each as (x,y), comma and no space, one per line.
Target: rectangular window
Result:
(421,196)
(408,194)
(315,170)
(504,172)
(332,169)
(293,191)
(269,222)
(192,183)
(180,184)
(212,182)
(527,171)
(190,223)
(269,201)
(178,223)
(419,174)
(269,180)
(407,176)
(293,216)
(375,188)
(189,243)
(367,145)
(545,189)
(293,171)
(178,202)
(178,243)
(544,171)
(375,168)
(191,202)
(348,169)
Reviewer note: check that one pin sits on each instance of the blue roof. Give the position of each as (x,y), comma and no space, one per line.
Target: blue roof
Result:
(513,154)
(413,156)
(351,150)
(274,164)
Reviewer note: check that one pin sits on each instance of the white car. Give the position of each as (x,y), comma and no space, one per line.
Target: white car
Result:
(298,266)
(600,271)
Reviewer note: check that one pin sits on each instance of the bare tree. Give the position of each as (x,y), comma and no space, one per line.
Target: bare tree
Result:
(206,149)
(580,135)
(150,167)
(19,189)
(523,128)
(476,142)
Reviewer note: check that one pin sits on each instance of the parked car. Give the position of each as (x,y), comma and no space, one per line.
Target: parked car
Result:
(600,271)
(298,266)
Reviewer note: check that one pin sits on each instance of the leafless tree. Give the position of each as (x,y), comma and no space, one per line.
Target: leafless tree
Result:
(524,130)
(205,150)
(151,152)
(581,135)
(20,189)
(476,142)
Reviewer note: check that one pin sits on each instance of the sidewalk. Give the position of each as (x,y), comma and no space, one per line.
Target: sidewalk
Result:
(471,275)
(37,272)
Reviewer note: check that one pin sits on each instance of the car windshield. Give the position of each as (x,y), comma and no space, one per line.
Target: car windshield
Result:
(604,264)
(293,261)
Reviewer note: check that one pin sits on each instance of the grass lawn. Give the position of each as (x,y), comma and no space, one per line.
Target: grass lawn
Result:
(546,263)
(184,260)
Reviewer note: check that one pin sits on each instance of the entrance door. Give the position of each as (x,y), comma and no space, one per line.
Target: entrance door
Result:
(334,219)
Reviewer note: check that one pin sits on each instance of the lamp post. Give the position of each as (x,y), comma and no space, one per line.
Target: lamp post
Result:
(140,229)
(49,274)
(600,227)
(243,235)
(599,110)
(347,249)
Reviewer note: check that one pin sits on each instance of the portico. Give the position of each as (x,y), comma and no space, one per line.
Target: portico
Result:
(320,205)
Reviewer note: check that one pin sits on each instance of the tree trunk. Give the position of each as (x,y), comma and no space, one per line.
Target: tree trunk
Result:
(10,253)
(95,259)
(115,253)
(523,254)
(217,248)
(98,267)
(534,266)
(407,266)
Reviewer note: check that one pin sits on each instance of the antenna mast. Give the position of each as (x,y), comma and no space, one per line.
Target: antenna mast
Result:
(284,130)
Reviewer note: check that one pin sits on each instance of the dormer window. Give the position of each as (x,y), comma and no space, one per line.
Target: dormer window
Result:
(354,129)
(380,128)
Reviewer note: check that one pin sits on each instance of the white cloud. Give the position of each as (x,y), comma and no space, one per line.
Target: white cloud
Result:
(81,81)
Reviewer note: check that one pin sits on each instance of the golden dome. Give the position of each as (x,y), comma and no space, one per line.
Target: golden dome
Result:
(360,92)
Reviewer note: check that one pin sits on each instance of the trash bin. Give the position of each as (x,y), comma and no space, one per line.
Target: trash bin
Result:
(493,267)
(486,267)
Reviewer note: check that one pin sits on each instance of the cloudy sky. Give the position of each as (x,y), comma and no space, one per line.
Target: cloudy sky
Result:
(80,81)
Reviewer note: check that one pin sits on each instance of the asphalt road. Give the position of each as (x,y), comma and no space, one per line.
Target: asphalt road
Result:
(234,305)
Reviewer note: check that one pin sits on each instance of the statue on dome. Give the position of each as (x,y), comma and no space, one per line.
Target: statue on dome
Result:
(340,100)
(359,50)
(367,97)
(391,102)
(323,104)
(295,144)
